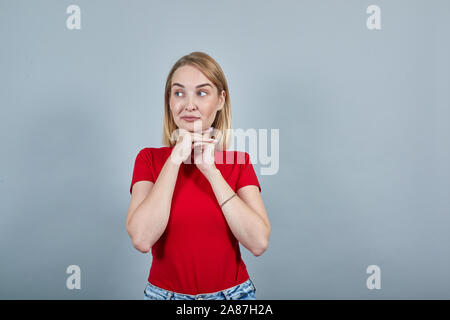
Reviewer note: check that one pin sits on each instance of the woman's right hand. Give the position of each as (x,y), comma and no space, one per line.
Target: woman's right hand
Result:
(182,149)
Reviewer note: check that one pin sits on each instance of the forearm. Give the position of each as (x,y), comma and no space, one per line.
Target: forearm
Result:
(150,218)
(247,226)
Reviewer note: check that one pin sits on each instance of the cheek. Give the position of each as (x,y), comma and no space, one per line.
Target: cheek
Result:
(209,106)
(174,106)
(212,111)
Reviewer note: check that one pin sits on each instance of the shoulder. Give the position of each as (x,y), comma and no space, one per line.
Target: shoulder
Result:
(154,151)
(242,157)
(144,153)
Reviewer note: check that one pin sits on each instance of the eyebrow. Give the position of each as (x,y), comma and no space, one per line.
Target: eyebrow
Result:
(200,85)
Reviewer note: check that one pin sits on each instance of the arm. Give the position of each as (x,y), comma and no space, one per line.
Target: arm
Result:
(150,204)
(245,213)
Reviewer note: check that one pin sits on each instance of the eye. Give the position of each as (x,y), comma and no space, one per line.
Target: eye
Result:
(177,92)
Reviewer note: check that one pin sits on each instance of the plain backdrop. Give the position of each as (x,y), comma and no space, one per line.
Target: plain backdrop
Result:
(363,117)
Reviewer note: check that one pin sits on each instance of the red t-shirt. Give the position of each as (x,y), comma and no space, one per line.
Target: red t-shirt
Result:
(197,253)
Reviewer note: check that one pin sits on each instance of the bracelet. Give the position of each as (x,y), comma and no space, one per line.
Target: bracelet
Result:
(227,200)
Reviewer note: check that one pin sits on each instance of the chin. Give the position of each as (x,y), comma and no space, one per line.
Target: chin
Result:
(190,127)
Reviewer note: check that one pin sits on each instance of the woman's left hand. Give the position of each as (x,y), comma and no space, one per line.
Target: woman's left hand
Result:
(204,151)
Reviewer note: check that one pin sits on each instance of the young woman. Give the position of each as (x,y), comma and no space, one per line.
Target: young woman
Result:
(192,201)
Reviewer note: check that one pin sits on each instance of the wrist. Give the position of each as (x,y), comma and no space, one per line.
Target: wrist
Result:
(174,161)
(212,173)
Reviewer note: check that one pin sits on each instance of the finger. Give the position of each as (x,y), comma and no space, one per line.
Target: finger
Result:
(199,143)
(207,132)
(187,137)
(205,141)
(203,145)
(195,135)
(178,133)
(207,129)
(204,137)
(216,133)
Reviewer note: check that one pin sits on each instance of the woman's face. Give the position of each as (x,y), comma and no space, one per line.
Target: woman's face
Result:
(193,95)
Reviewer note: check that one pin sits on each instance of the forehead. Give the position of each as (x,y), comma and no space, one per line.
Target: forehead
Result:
(189,76)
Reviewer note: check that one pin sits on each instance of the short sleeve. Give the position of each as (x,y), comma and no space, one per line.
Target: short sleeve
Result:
(247,175)
(143,167)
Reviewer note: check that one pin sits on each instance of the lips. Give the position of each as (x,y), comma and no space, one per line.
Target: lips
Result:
(190,118)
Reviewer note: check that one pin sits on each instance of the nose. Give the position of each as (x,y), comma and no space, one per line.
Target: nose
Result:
(190,104)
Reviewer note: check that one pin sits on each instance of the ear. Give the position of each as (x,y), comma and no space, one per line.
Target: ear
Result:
(221,100)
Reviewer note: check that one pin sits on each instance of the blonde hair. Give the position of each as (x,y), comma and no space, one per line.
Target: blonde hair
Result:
(211,69)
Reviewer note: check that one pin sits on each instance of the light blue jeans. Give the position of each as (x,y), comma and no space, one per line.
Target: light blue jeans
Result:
(243,291)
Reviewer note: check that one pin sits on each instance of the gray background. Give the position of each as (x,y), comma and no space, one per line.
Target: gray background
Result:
(364,129)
